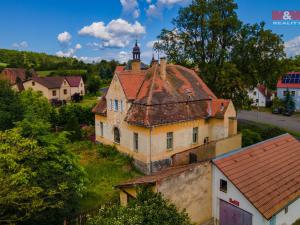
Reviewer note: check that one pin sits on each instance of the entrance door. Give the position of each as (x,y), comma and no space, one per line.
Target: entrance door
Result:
(117,135)
(232,215)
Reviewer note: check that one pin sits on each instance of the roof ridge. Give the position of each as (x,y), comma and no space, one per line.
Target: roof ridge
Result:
(238,150)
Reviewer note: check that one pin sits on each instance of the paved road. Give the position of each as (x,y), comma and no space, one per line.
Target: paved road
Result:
(290,123)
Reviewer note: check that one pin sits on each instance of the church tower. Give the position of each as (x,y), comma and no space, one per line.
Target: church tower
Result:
(136,57)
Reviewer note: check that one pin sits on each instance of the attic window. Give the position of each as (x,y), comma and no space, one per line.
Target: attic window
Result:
(33,83)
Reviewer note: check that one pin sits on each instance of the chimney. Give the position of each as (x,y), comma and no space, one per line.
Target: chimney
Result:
(163,65)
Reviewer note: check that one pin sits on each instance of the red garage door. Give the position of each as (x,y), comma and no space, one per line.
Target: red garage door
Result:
(232,215)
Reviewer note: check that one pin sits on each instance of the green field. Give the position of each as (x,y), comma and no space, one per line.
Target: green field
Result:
(105,168)
(46,73)
(3,64)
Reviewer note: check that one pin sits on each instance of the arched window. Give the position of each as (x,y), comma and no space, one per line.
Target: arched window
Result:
(117,135)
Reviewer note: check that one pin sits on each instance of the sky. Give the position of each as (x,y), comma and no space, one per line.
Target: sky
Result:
(92,30)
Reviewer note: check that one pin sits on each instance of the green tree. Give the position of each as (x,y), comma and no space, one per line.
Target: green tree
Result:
(289,103)
(93,84)
(148,209)
(11,110)
(73,127)
(35,105)
(39,181)
(230,56)
(250,137)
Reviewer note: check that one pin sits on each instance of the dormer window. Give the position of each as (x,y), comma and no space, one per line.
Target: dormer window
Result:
(33,83)
(116,105)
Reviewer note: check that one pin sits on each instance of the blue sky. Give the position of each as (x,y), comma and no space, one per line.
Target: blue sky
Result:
(101,29)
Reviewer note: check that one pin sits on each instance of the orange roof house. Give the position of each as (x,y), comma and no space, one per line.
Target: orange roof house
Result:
(262,179)
(152,114)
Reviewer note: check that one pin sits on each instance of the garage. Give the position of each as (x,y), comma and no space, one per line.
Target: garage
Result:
(232,215)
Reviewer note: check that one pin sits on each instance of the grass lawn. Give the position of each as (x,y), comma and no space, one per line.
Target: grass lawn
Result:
(45,73)
(88,101)
(105,168)
(3,64)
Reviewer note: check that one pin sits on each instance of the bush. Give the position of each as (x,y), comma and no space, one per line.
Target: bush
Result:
(250,137)
(148,209)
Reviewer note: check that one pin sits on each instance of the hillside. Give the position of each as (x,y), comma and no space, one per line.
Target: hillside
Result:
(54,65)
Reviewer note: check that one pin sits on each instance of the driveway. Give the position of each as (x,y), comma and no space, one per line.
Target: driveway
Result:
(290,123)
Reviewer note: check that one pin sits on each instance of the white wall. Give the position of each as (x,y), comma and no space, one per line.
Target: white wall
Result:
(282,218)
(256,94)
(232,192)
(289,218)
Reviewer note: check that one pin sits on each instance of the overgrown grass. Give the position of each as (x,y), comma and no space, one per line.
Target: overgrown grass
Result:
(259,131)
(105,168)
(88,101)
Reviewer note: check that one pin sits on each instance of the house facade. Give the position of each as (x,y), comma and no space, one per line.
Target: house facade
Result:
(56,88)
(258,185)
(260,96)
(290,82)
(161,112)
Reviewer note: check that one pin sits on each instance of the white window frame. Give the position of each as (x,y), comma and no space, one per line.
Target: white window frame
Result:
(116,105)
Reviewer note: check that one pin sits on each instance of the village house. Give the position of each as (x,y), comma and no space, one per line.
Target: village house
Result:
(256,185)
(290,82)
(259,184)
(16,77)
(260,96)
(57,88)
(164,116)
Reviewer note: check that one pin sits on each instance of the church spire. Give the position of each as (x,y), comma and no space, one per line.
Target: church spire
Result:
(136,53)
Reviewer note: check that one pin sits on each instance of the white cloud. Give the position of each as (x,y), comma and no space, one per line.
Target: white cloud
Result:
(21,45)
(87,59)
(123,56)
(69,52)
(155,10)
(151,43)
(130,7)
(116,34)
(148,1)
(64,37)
(292,47)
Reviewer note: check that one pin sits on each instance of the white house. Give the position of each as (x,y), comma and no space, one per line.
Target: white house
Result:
(259,184)
(260,96)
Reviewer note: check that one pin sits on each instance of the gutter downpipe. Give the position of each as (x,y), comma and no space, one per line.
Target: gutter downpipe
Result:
(150,150)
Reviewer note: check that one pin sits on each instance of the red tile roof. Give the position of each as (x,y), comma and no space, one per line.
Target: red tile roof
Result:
(180,96)
(288,85)
(56,82)
(73,81)
(267,173)
(131,82)
(11,74)
(49,82)
(263,90)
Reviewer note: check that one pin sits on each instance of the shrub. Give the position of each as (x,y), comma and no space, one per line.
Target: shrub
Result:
(250,137)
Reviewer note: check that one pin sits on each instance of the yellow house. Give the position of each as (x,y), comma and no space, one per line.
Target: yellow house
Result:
(164,116)
(58,88)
